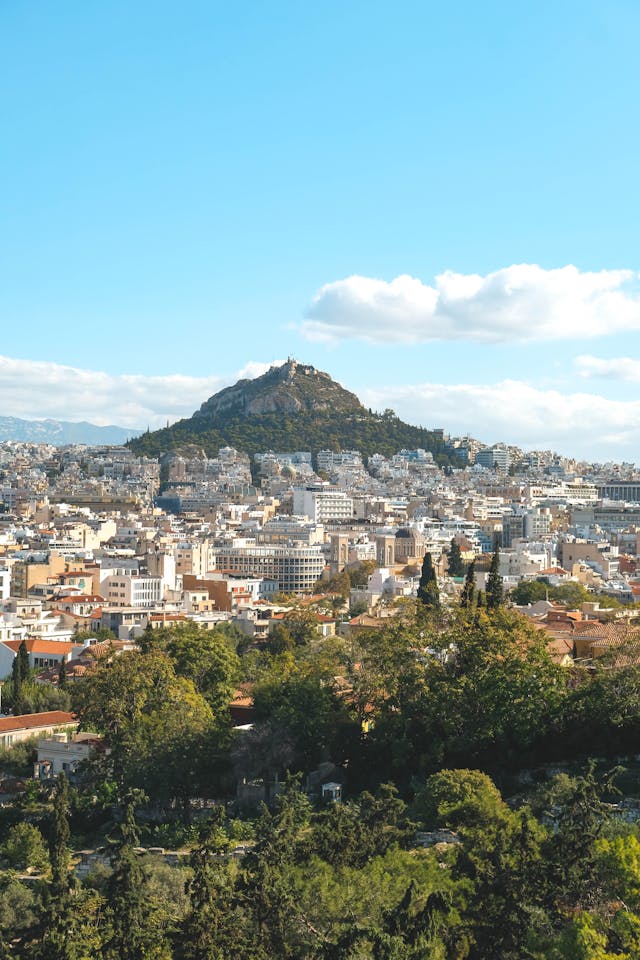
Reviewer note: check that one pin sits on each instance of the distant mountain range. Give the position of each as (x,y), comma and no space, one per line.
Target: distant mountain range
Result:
(291,407)
(60,432)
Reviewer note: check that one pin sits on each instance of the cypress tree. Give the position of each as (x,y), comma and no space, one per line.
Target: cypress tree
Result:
(494,582)
(454,560)
(19,674)
(467,596)
(59,838)
(23,657)
(16,683)
(428,592)
(62,675)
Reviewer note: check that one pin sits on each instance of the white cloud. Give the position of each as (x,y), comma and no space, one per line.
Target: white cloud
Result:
(583,425)
(519,303)
(580,424)
(618,368)
(36,390)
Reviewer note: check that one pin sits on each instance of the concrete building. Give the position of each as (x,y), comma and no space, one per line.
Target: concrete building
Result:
(328,460)
(322,505)
(496,457)
(61,754)
(127,590)
(295,568)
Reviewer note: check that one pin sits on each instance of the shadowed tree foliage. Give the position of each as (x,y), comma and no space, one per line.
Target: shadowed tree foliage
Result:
(428,592)
(495,590)
(131,929)
(455,564)
(468,595)
(210,928)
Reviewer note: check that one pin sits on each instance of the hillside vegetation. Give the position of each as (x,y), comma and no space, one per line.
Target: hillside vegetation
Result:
(292,407)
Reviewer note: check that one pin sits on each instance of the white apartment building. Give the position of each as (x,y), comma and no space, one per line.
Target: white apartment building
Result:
(296,568)
(291,530)
(322,505)
(329,460)
(192,558)
(132,590)
(5,584)
(493,457)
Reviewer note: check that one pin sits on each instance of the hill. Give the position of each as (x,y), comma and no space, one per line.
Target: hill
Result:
(291,407)
(59,433)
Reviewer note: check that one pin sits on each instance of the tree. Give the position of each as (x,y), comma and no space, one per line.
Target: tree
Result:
(206,657)
(62,675)
(207,932)
(19,676)
(19,914)
(59,837)
(102,634)
(486,687)
(302,624)
(132,932)
(572,852)
(155,723)
(23,658)
(268,886)
(428,592)
(24,847)
(70,932)
(280,639)
(359,574)
(468,595)
(499,856)
(454,559)
(494,592)
(305,712)
(448,797)
(528,591)
(572,593)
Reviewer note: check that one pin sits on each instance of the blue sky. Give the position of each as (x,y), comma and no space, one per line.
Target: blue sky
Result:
(188,191)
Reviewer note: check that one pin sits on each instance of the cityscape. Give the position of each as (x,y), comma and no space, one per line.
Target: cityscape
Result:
(319,481)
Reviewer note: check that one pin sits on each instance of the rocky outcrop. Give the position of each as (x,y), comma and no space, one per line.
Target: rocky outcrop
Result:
(292,388)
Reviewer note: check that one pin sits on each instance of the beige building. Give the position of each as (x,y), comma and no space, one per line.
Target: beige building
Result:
(15,729)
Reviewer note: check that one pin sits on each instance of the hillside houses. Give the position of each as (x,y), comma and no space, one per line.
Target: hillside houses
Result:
(100,538)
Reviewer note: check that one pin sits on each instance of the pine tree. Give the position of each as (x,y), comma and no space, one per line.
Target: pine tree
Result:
(133,934)
(494,582)
(454,560)
(206,932)
(268,884)
(60,937)
(467,596)
(428,592)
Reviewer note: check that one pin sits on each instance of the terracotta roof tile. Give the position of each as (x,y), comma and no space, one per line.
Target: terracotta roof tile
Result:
(32,721)
(37,645)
